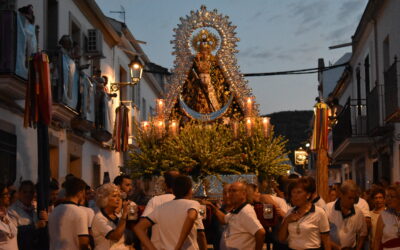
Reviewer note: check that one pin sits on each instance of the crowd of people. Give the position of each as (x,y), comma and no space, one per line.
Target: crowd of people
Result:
(290,216)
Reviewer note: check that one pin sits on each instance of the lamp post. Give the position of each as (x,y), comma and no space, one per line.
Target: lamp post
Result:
(135,73)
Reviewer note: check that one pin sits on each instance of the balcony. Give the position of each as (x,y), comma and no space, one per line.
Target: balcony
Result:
(374,112)
(350,132)
(392,94)
(15,45)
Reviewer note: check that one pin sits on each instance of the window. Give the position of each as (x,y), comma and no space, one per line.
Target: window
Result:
(152,111)
(144,110)
(52,25)
(134,101)
(386,54)
(75,33)
(367,75)
(8,157)
(137,95)
(358,79)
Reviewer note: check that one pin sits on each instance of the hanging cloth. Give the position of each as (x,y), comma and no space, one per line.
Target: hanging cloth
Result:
(121,128)
(38,100)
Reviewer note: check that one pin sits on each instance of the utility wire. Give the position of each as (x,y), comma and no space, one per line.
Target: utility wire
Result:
(296,72)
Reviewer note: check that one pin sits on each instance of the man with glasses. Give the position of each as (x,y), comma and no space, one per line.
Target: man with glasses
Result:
(28,221)
(347,222)
(243,230)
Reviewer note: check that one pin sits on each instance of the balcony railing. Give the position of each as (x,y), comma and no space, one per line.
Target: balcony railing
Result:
(373,110)
(351,122)
(391,94)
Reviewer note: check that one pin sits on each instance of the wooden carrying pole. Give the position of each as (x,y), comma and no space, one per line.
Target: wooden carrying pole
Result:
(320,146)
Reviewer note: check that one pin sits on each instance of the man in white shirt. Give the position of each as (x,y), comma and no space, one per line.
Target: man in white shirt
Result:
(178,220)
(124,182)
(156,201)
(27,220)
(348,226)
(243,230)
(68,226)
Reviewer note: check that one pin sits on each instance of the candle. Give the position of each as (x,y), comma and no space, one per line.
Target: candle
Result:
(266,125)
(160,125)
(249,125)
(145,125)
(173,128)
(160,107)
(249,106)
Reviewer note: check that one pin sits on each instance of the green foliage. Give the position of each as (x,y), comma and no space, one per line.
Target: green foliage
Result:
(265,156)
(201,150)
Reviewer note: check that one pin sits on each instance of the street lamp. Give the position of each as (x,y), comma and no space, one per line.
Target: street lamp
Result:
(135,72)
(300,157)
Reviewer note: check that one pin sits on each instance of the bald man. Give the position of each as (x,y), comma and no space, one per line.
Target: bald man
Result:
(243,230)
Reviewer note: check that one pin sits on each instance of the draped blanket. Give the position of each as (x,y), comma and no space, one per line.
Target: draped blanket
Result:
(121,128)
(38,98)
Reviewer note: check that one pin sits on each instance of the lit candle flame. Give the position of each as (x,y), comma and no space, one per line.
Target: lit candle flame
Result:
(266,126)
(249,106)
(249,126)
(173,128)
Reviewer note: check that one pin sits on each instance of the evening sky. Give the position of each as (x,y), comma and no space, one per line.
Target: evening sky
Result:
(275,35)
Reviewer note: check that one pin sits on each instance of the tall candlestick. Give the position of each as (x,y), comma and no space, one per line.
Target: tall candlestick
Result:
(173,128)
(249,126)
(160,125)
(145,125)
(249,106)
(160,107)
(266,125)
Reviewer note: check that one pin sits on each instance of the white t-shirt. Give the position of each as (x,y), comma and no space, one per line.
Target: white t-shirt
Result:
(170,217)
(8,234)
(306,232)
(242,225)
(24,215)
(102,226)
(363,206)
(90,215)
(283,205)
(153,203)
(67,222)
(345,230)
(390,227)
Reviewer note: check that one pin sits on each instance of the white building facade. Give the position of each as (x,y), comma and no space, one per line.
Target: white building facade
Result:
(366,141)
(102,49)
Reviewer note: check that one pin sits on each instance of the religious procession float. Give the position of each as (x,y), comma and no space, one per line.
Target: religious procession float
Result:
(209,123)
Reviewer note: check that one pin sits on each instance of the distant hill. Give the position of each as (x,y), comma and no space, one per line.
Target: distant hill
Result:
(294,126)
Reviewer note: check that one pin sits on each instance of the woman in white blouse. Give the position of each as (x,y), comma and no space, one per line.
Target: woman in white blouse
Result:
(306,226)
(108,229)
(8,227)
(387,234)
